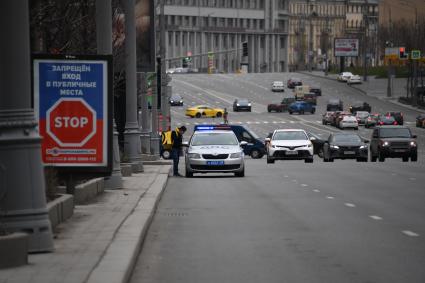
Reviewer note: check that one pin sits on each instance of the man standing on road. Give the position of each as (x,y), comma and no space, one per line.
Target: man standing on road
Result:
(177,138)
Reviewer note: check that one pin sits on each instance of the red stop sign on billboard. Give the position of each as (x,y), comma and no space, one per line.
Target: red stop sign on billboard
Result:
(71,122)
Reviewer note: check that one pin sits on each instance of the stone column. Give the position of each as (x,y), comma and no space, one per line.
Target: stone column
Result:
(132,148)
(104,47)
(22,184)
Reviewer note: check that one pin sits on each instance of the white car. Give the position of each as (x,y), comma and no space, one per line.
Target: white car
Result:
(289,144)
(213,151)
(344,76)
(277,86)
(349,121)
(354,79)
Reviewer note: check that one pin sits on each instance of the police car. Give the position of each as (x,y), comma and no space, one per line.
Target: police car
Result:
(215,149)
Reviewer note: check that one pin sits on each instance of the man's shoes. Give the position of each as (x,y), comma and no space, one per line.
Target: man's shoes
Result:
(177,175)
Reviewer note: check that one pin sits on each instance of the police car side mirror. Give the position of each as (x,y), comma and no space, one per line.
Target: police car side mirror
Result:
(312,138)
(185,143)
(243,143)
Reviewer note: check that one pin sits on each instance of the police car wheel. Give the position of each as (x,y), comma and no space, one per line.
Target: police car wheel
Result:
(240,174)
(255,154)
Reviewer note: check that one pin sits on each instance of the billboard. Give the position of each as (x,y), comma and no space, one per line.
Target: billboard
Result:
(145,35)
(346,47)
(72,102)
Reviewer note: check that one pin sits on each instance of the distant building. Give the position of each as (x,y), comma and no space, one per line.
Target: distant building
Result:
(313,27)
(195,27)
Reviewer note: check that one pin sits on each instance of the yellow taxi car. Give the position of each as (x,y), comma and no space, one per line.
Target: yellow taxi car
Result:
(199,111)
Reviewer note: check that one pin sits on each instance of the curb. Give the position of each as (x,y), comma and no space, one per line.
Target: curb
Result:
(119,259)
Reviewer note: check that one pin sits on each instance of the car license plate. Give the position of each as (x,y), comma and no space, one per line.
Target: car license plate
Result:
(349,152)
(291,152)
(215,163)
(399,150)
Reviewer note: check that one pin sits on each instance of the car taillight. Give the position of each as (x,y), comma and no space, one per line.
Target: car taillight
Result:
(395,123)
(381,123)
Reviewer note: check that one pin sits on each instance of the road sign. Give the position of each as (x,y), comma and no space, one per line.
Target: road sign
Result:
(72,100)
(415,54)
(346,47)
(71,122)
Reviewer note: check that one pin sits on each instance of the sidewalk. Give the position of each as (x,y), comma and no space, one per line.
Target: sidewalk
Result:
(375,88)
(101,241)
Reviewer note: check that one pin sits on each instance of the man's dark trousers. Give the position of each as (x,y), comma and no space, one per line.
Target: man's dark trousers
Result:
(175,154)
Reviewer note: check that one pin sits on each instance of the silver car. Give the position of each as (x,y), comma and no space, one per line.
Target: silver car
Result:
(212,151)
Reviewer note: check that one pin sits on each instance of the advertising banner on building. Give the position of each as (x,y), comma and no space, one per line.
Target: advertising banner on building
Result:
(72,101)
(346,47)
(145,35)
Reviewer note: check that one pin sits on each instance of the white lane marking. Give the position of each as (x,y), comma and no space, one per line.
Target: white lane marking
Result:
(187,124)
(286,176)
(265,122)
(375,217)
(274,122)
(350,204)
(304,185)
(249,122)
(295,181)
(412,179)
(329,197)
(292,122)
(410,233)
(316,191)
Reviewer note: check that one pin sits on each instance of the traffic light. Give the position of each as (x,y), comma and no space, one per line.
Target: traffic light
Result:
(402,54)
(244,48)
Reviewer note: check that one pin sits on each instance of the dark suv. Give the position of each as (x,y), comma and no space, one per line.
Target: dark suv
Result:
(398,116)
(334,105)
(393,141)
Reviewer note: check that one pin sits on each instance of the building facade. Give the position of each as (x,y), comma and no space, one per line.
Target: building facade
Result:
(314,25)
(194,28)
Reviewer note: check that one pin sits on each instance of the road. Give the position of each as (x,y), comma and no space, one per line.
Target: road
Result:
(289,221)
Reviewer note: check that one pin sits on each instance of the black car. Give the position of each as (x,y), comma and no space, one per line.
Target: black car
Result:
(316,90)
(317,143)
(420,121)
(345,146)
(360,106)
(241,104)
(176,100)
(292,82)
(398,116)
(335,105)
(386,120)
(393,142)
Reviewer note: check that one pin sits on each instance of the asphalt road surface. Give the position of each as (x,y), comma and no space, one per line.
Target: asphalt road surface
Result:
(289,221)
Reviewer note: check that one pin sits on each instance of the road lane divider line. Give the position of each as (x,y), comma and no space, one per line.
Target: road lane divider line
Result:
(349,204)
(329,197)
(376,217)
(410,233)
(316,191)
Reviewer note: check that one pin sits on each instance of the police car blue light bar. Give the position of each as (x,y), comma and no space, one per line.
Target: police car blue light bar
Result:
(211,127)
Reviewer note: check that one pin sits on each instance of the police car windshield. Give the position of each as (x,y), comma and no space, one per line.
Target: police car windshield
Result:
(214,139)
(290,135)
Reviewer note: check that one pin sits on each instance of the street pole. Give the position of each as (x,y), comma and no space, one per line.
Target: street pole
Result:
(132,148)
(310,45)
(22,184)
(104,47)
(365,44)
(145,136)
(154,134)
(165,110)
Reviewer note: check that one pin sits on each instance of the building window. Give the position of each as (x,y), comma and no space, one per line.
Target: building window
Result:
(216,42)
(281,4)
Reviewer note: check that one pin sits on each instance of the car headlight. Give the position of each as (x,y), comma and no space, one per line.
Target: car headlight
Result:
(363,146)
(412,143)
(237,104)
(249,104)
(385,143)
(236,155)
(171,101)
(194,155)
(334,146)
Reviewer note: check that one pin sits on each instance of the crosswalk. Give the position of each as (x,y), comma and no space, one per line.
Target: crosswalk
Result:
(255,122)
